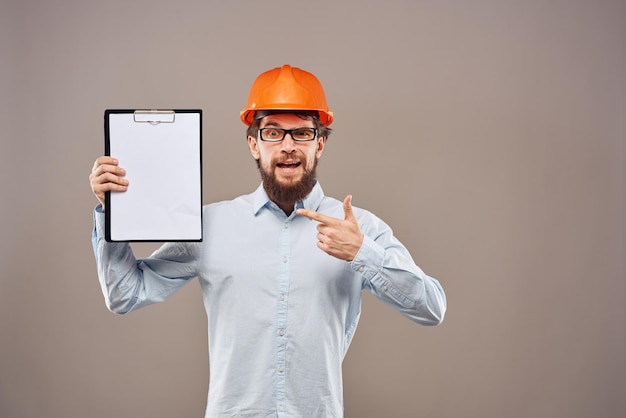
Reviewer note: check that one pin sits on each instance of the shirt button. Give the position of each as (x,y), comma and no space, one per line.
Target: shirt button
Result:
(282,298)
(286,225)
(361,269)
(285,259)
(281,369)
(281,332)
(385,288)
(280,407)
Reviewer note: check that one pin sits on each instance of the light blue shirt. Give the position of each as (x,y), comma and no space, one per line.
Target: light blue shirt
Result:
(281,312)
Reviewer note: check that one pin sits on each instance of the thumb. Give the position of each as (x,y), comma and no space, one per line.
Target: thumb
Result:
(347,208)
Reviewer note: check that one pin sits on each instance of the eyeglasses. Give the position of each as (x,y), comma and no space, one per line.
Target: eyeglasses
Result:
(297,134)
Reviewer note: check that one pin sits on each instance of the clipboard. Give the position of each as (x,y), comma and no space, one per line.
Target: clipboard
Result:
(161,151)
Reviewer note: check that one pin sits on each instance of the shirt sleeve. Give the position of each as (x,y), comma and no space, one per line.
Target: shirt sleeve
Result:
(128,283)
(392,276)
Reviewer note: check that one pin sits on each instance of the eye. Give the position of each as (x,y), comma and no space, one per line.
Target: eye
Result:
(273,133)
(304,133)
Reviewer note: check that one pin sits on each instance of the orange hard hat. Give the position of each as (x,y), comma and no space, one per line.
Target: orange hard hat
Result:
(287,88)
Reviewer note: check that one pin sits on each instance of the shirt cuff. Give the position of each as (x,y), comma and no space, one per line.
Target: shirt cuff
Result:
(369,259)
(99,221)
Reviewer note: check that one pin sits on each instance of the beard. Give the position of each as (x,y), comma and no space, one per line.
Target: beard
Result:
(281,193)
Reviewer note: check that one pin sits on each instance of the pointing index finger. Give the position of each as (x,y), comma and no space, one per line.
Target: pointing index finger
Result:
(316,216)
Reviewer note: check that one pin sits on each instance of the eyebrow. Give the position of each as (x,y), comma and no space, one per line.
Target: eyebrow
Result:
(273,125)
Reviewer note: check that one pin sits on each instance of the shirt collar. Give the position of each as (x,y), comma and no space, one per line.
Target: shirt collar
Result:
(312,201)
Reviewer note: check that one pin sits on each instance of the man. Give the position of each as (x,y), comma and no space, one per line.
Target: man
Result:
(282,269)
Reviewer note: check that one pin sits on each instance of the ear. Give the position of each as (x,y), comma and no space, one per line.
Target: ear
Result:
(254,149)
(321,143)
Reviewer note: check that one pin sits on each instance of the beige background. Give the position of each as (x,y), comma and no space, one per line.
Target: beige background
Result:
(490,134)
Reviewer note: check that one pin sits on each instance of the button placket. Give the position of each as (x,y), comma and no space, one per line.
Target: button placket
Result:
(281,314)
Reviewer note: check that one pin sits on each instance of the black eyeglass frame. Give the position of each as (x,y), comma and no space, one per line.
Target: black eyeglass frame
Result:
(285,132)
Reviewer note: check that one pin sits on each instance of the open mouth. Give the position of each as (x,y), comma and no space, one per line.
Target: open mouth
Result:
(289,164)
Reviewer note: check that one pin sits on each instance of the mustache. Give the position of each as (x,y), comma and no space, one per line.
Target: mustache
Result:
(284,160)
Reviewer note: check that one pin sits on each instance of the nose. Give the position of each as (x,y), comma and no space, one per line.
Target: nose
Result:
(288,145)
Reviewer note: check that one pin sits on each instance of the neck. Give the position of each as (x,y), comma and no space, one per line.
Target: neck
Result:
(286,207)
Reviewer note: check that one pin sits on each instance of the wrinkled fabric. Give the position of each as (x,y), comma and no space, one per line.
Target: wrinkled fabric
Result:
(281,312)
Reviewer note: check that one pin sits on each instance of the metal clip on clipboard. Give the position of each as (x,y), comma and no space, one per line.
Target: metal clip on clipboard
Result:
(154,117)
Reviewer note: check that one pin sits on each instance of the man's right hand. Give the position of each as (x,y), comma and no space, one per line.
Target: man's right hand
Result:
(106,175)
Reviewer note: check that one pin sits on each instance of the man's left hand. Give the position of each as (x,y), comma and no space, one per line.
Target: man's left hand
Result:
(341,238)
